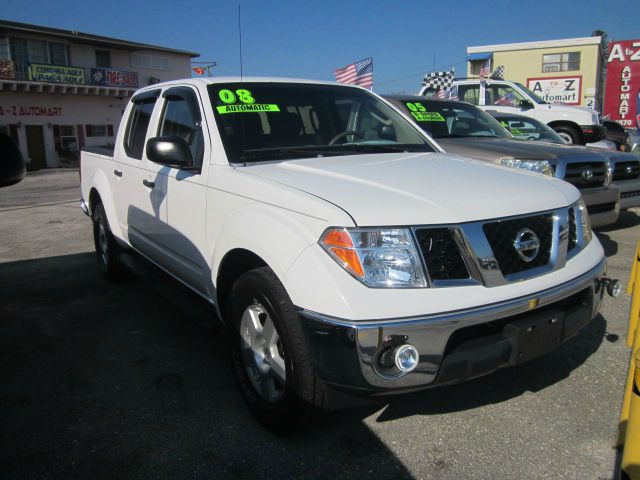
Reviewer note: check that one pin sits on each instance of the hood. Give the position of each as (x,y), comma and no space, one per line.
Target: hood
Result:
(418,188)
(495,149)
(589,115)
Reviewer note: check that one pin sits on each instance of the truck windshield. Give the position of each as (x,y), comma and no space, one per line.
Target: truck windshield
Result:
(261,121)
(442,119)
(533,96)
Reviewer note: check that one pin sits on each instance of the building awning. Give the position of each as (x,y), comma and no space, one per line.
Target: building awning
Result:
(479,56)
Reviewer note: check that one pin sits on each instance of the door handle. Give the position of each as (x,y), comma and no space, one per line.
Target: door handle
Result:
(149,184)
(117,173)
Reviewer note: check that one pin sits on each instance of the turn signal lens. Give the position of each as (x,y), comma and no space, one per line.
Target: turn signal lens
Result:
(340,244)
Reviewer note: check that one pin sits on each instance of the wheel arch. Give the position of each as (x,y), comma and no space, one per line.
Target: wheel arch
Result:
(100,192)
(234,263)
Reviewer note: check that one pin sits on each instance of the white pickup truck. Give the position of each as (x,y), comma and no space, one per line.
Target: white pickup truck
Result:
(578,125)
(342,248)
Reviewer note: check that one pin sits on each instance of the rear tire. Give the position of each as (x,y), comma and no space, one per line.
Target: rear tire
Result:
(270,356)
(569,134)
(107,249)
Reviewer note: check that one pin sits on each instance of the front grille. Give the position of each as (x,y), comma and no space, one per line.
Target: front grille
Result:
(502,236)
(630,194)
(601,208)
(578,174)
(573,230)
(441,254)
(626,171)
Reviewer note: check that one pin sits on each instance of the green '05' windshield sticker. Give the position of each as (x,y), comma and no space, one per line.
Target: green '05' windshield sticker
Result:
(427,116)
(242,101)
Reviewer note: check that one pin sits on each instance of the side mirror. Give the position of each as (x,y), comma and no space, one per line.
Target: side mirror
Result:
(12,165)
(526,105)
(170,151)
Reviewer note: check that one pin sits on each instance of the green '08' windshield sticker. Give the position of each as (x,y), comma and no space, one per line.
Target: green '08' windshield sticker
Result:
(265,107)
(428,116)
(242,101)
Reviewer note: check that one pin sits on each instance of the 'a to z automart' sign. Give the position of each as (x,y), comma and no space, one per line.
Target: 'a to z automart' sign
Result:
(557,89)
(113,78)
(622,90)
(56,74)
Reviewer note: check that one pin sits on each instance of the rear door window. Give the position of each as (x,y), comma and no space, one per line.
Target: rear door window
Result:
(136,133)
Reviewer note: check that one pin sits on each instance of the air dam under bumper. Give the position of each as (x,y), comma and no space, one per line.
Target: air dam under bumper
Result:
(453,346)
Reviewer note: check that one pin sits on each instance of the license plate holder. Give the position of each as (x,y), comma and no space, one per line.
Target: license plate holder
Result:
(534,336)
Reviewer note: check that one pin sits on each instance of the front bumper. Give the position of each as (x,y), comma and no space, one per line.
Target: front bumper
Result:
(592,133)
(453,346)
(629,193)
(603,205)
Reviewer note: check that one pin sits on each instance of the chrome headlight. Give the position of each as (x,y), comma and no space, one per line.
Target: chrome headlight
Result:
(538,166)
(585,223)
(378,257)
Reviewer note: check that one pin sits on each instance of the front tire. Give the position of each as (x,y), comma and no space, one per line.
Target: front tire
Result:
(569,134)
(270,355)
(107,249)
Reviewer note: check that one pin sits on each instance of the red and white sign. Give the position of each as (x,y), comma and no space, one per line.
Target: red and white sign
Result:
(622,90)
(557,89)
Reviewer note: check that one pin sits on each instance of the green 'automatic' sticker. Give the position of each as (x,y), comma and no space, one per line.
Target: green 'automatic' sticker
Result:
(257,107)
(428,116)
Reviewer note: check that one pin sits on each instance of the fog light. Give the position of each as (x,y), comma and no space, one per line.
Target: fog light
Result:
(406,358)
(614,288)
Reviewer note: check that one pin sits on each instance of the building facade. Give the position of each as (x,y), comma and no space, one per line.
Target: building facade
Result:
(61,90)
(559,71)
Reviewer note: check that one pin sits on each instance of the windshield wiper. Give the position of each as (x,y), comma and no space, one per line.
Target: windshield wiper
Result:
(372,147)
(258,154)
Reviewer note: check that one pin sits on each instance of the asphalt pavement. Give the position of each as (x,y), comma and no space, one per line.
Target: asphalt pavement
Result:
(120,380)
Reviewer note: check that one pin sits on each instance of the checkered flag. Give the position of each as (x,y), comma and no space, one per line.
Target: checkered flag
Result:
(498,73)
(438,80)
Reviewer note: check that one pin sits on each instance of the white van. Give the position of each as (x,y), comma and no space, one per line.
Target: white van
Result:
(578,125)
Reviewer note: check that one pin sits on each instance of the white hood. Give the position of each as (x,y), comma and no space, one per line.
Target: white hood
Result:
(419,188)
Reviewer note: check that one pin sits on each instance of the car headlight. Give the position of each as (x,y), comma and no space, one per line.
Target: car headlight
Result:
(538,166)
(587,234)
(378,257)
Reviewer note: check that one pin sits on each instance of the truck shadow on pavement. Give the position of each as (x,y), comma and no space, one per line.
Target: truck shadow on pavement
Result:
(104,380)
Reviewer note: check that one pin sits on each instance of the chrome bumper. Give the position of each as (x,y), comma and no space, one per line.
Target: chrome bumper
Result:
(347,353)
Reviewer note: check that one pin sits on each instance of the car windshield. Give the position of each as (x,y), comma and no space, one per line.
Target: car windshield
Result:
(529,129)
(535,97)
(261,121)
(442,119)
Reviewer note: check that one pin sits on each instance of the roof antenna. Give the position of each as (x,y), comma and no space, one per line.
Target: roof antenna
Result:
(240,40)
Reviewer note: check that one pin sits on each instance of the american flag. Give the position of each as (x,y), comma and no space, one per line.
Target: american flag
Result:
(485,70)
(358,73)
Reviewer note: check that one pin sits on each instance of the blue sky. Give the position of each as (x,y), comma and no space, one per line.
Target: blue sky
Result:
(310,39)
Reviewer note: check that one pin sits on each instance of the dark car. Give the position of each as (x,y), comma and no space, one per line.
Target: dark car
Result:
(625,167)
(459,127)
(617,134)
(12,166)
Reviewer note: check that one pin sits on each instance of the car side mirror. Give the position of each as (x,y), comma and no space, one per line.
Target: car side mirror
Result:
(526,105)
(12,165)
(170,151)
